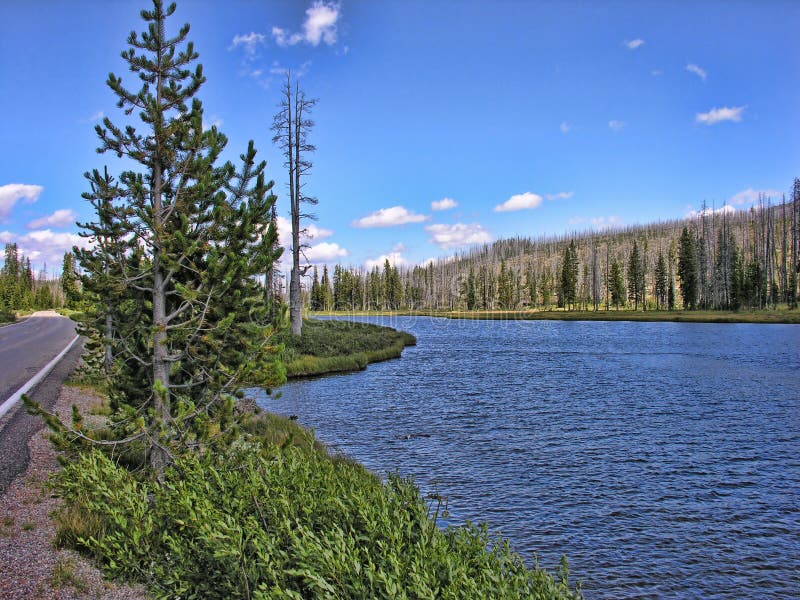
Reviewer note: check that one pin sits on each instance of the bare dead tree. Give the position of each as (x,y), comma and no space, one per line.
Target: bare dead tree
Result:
(290,127)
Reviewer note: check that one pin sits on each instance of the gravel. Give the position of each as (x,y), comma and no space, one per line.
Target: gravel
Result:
(30,567)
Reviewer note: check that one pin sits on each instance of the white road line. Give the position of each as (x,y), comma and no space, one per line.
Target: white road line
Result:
(15,397)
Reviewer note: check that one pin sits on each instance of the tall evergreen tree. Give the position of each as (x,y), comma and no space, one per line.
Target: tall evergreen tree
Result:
(617,284)
(197,329)
(687,269)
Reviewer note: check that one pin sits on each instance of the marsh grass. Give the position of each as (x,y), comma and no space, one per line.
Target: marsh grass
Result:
(328,346)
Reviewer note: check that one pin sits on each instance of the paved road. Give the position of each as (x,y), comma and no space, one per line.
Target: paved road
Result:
(24,349)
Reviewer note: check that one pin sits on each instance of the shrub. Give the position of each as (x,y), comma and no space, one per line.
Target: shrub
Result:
(266,521)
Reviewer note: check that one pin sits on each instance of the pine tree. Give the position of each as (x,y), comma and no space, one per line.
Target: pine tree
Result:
(69,281)
(635,277)
(661,287)
(327,294)
(193,326)
(617,285)
(687,269)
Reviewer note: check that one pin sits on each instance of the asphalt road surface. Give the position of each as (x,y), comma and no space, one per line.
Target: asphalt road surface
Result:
(25,348)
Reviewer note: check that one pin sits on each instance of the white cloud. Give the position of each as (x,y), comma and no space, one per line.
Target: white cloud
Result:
(309,233)
(560,196)
(324,252)
(718,115)
(249,41)
(726,209)
(318,27)
(45,246)
(458,234)
(749,196)
(519,202)
(565,127)
(389,217)
(616,126)
(701,73)
(11,193)
(64,217)
(395,258)
(656,72)
(443,204)
(634,44)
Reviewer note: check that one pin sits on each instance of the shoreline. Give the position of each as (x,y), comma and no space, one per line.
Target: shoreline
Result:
(785,317)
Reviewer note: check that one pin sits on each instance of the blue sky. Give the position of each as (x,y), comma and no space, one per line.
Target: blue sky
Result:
(531,118)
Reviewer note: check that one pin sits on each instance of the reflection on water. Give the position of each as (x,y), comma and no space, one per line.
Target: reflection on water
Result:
(662,458)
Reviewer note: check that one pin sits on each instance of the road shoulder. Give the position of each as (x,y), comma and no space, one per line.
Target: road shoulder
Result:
(30,567)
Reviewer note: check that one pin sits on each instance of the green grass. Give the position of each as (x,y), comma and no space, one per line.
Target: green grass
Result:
(7,316)
(340,346)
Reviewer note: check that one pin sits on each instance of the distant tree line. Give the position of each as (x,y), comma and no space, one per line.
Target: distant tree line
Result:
(717,260)
(20,289)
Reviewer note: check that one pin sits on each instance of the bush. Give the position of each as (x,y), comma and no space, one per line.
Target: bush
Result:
(265,521)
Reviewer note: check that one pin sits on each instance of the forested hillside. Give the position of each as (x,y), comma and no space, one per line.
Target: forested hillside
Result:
(724,259)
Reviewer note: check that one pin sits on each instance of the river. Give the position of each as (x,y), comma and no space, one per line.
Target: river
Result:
(662,458)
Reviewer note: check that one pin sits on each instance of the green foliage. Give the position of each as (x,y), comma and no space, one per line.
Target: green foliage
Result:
(334,346)
(268,521)
(179,249)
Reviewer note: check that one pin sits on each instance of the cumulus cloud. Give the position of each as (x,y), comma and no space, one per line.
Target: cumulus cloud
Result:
(519,202)
(616,126)
(749,196)
(634,44)
(565,127)
(389,217)
(443,204)
(718,115)
(458,235)
(11,193)
(45,246)
(701,73)
(318,27)
(395,258)
(308,234)
(64,217)
(324,252)
(707,212)
(560,196)
(249,42)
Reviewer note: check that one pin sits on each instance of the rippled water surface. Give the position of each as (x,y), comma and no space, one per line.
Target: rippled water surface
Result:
(662,458)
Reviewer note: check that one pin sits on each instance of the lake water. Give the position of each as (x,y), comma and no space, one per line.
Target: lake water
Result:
(662,458)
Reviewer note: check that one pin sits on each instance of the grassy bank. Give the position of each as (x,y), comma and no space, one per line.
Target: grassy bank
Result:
(680,316)
(274,515)
(340,346)
(7,316)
